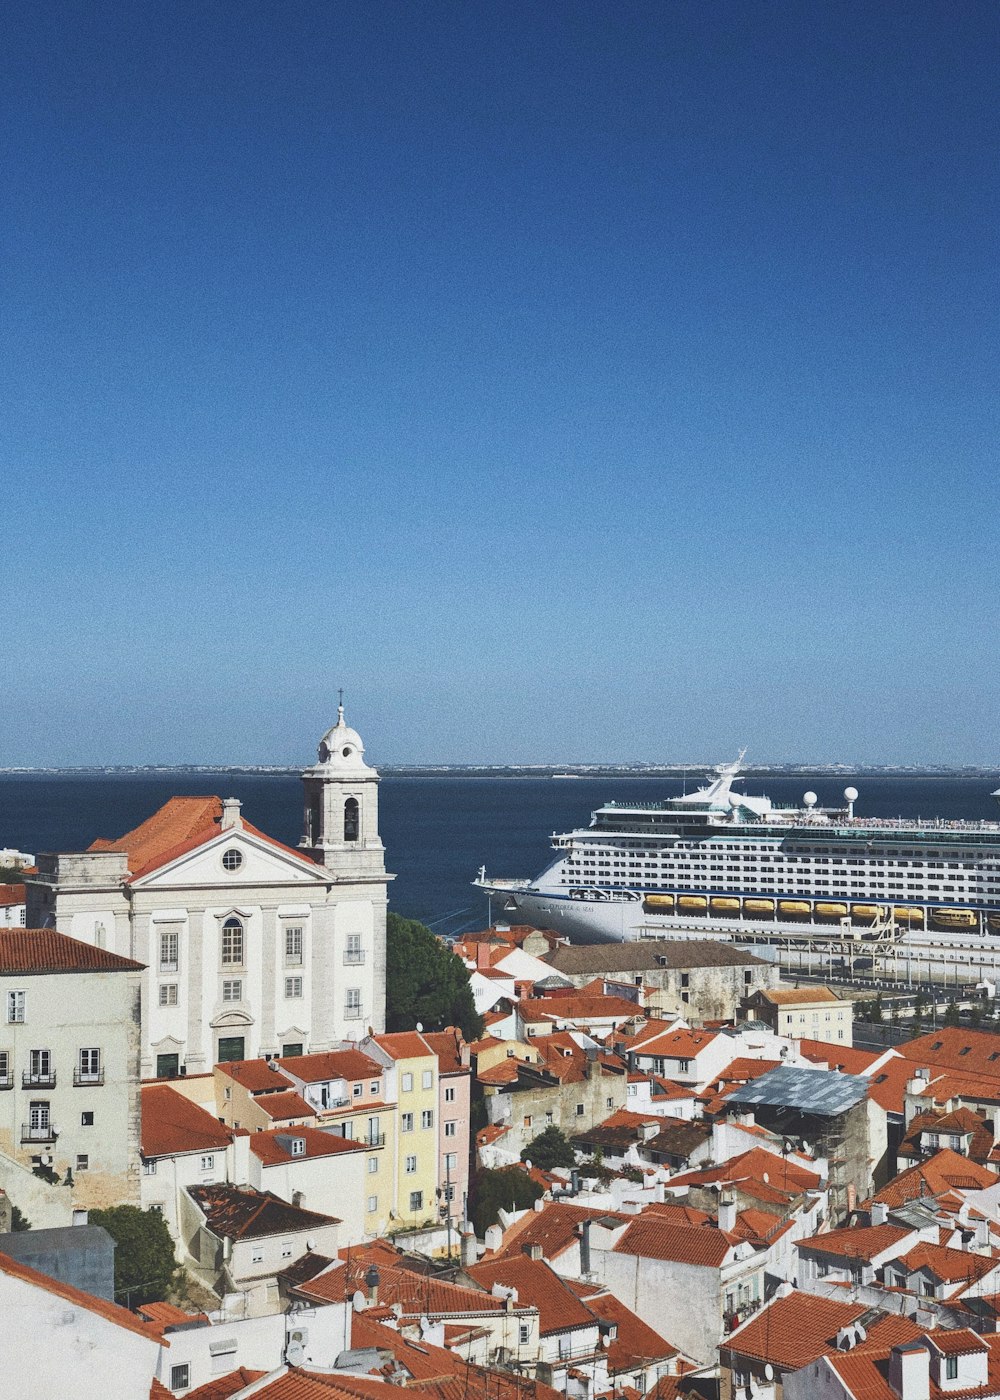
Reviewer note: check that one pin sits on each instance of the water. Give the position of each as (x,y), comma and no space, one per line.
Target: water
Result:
(437,831)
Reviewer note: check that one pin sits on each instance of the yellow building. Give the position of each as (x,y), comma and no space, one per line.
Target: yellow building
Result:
(413,1065)
(804,1013)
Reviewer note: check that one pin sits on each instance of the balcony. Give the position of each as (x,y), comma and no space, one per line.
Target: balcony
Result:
(6,1081)
(353,1013)
(36,1132)
(375,1140)
(83,1078)
(354,957)
(38,1081)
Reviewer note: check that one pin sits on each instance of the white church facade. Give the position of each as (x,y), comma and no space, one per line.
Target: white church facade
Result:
(251,947)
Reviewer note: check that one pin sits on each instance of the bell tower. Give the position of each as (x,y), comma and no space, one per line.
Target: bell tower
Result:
(341,807)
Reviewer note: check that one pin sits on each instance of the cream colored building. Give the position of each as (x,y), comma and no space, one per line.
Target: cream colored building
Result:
(251,947)
(412,1072)
(810,1013)
(69,1068)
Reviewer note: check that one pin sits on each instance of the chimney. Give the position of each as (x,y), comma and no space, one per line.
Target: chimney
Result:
(727,1212)
(533,1250)
(910,1371)
(585,1247)
(231,819)
(879,1213)
(574,1180)
(372,1280)
(469,1251)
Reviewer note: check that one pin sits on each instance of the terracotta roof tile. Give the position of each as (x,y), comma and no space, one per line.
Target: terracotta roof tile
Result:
(31,951)
(857,1243)
(223,1386)
(333,1064)
(13,894)
(258,1076)
(792,996)
(416,1294)
(945,1171)
(793,1331)
(274,1145)
(403,1045)
(172,1124)
(651,1237)
(538,1285)
(636,1343)
(285,1106)
(241,1213)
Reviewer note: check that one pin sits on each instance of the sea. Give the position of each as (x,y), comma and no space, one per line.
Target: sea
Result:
(437,831)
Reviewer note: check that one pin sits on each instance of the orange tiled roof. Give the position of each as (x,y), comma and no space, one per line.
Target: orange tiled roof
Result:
(416,1294)
(284,1106)
(221,1387)
(857,1243)
(403,1045)
(447,1045)
(652,1237)
(258,1076)
(793,1331)
(110,1312)
(31,951)
(753,1171)
(332,1064)
(172,1124)
(949,1265)
(13,894)
(273,1145)
(945,1171)
(537,1285)
(792,996)
(242,1213)
(636,1343)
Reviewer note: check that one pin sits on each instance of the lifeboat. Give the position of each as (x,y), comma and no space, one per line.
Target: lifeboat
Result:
(722,904)
(955,918)
(908,914)
(758,906)
(795,907)
(659,903)
(831,911)
(864,911)
(693,903)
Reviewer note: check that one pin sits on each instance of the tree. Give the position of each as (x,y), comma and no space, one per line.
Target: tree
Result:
(19,1221)
(550,1148)
(505,1188)
(145,1268)
(425,982)
(951,1016)
(878,1009)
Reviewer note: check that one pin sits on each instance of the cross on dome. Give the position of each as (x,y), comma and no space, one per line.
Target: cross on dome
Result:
(342,746)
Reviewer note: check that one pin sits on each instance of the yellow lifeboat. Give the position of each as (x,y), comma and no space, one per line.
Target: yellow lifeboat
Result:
(868,912)
(659,903)
(955,918)
(722,904)
(831,911)
(692,902)
(758,906)
(793,906)
(908,914)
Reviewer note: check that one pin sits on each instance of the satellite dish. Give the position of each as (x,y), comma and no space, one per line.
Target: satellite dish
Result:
(768,1372)
(420,1025)
(851,794)
(810,799)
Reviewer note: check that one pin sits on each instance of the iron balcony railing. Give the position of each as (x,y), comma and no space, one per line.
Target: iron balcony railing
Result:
(6,1081)
(37,1132)
(375,1140)
(354,957)
(39,1080)
(81,1078)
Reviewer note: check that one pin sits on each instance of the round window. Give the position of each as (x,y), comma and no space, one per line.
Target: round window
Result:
(232,859)
(347,752)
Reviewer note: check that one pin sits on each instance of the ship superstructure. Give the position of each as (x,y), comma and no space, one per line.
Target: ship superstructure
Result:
(726,860)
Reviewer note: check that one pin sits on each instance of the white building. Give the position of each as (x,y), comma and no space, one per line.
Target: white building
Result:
(251,947)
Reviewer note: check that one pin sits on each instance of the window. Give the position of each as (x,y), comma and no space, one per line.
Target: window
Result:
(231,1047)
(15,1007)
(451,1128)
(290,1051)
(451,1163)
(87,1119)
(293,945)
(427,1118)
(352,1004)
(286,1249)
(168,993)
(372,1165)
(523,1332)
(257,1254)
(407,1083)
(232,943)
(207,1163)
(90,1066)
(41,1067)
(427,1079)
(38,1118)
(298,1147)
(449,1094)
(353,952)
(416,1200)
(951,1368)
(232,859)
(232,989)
(357,1090)
(180,1377)
(168,1066)
(149,1167)
(406,1123)
(579,1110)
(352,819)
(411,1166)
(373,1087)
(293,987)
(372,1204)
(169,950)
(82,1162)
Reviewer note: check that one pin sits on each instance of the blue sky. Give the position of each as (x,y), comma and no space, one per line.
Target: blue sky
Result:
(566,381)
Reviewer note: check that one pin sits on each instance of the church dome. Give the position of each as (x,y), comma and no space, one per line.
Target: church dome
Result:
(341,746)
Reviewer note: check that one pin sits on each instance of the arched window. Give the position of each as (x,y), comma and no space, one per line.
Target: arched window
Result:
(352,819)
(232,943)
(314,822)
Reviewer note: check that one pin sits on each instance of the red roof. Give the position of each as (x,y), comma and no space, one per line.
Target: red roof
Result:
(945,1171)
(333,1064)
(13,894)
(31,951)
(538,1285)
(257,1076)
(651,1236)
(110,1312)
(403,1045)
(636,1344)
(793,1331)
(448,1045)
(949,1265)
(223,1386)
(284,1106)
(172,1124)
(182,824)
(273,1146)
(857,1242)
(416,1294)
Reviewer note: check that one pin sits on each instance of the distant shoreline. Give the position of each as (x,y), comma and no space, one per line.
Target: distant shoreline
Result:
(544,773)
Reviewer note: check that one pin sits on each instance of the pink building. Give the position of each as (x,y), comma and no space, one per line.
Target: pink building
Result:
(454,1109)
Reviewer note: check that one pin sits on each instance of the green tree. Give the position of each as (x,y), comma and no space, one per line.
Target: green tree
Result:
(505,1188)
(878,1008)
(550,1148)
(975,1016)
(425,982)
(145,1268)
(951,1016)
(18,1220)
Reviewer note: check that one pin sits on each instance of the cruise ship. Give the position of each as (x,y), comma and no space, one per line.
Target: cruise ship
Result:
(717,861)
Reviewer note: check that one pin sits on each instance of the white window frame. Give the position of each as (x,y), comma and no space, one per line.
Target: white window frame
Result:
(170,950)
(168,994)
(294,944)
(293,988)
(228,985)
(410,1165)
(17,1002)
(207,1162)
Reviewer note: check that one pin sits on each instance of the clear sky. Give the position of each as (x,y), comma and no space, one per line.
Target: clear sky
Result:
(566,380)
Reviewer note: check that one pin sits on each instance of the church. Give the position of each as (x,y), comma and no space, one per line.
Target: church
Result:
(251,947)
